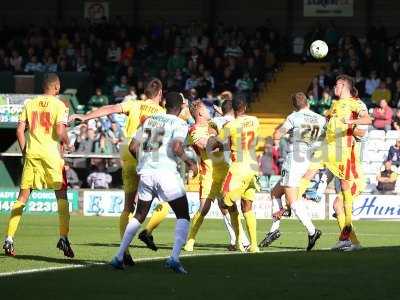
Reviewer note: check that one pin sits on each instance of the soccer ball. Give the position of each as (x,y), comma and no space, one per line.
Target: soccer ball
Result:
(319,49)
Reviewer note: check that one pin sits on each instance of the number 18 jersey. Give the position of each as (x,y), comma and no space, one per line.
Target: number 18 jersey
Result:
(156,136)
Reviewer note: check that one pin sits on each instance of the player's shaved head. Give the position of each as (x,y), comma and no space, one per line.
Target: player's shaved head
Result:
(239,103)
(299,100)
(153,88)
(51,83)
(173,102)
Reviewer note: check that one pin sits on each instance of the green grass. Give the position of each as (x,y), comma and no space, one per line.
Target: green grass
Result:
(281,272)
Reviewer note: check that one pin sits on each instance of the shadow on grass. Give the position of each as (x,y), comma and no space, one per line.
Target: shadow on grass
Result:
(283,275)
(200,246)
(115,245)
(68,261)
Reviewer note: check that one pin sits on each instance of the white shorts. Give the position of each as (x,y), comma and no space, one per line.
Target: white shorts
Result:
(293,169)
(166,186)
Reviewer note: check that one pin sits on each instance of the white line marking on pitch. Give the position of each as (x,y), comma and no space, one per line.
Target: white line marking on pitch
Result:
(81,266)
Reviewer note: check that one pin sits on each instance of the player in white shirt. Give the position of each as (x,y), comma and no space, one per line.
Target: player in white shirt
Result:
(158,145)
(305,128)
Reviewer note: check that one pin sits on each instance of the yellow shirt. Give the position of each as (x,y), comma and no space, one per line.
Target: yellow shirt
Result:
(336,130)
(209,161)
(242,135)
(42,114)
(138,112)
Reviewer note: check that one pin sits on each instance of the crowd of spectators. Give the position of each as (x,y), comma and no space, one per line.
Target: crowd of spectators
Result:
(122,59)
(374,63)
(193,59)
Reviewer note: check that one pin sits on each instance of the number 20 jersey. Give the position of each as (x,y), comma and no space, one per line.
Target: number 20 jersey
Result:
(156,136)
(305,127)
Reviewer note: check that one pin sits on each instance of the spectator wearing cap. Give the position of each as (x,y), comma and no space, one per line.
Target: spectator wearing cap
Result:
(383,116)
(394,153)
(386,178)
(382,92)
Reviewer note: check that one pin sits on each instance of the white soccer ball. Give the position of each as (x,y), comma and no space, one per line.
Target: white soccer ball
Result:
(319,49)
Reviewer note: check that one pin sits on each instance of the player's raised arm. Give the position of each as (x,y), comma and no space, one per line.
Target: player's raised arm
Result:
(100,112)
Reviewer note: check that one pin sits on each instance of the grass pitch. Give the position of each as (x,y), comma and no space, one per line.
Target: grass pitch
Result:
(282,271)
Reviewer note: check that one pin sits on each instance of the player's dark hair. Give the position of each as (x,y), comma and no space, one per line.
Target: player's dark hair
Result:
(153,88)
(173,100)
(226,106)
(350,81)
(49,79)
(299,100)
(239,102)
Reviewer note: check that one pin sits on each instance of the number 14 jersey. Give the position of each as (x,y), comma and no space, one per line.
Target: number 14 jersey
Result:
(156,136)
(41,115)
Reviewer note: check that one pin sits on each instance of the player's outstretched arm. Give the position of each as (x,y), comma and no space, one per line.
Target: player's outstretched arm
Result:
(21,136)
(101,112)
(178,150)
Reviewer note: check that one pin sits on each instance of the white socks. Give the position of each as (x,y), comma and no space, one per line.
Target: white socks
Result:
(181,233)
(299,209)
(276,206)
(130,231)
(228,226)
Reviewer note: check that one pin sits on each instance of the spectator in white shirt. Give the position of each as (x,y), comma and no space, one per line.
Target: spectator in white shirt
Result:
(371,83)
(99,179)
(33,66)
